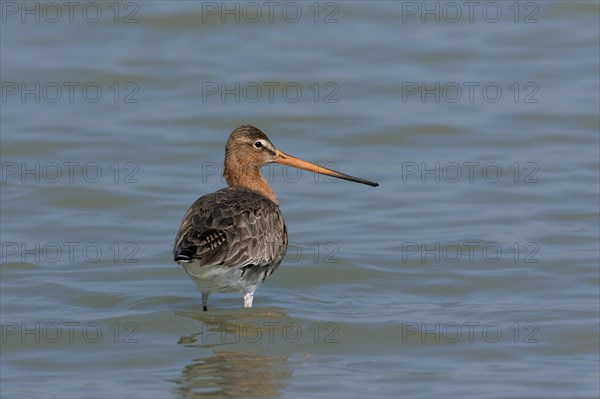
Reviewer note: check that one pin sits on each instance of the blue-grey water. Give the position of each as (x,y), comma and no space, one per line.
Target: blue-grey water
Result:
(472,271)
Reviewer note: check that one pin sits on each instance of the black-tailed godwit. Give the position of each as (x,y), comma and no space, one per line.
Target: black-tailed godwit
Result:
(232,240)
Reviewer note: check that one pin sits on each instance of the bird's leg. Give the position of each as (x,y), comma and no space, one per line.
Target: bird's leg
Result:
(248,297)
(205,300)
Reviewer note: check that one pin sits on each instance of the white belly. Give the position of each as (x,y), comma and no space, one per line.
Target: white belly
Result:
(220,279)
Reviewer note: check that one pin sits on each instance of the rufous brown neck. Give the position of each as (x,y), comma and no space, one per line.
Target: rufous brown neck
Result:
(247,176)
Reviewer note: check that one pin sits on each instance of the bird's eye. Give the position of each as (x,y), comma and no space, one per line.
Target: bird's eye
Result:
(258,144)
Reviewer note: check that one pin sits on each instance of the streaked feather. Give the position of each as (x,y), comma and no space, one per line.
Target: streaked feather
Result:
(233,228)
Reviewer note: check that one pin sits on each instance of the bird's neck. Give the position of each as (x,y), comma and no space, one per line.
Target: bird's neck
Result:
(250,178)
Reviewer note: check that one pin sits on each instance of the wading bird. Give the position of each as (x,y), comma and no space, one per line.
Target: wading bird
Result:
(232,240)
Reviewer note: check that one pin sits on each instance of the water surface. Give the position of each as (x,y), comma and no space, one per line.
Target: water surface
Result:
(472,271)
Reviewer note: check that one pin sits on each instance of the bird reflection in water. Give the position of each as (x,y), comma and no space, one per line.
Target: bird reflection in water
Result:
(231,373)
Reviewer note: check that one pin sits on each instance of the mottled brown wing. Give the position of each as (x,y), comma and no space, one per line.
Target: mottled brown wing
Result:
(233,227)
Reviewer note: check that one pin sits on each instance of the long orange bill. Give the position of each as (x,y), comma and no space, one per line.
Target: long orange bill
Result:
(286,159)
